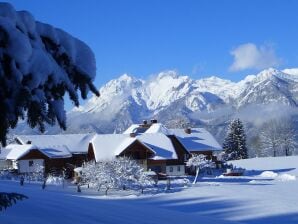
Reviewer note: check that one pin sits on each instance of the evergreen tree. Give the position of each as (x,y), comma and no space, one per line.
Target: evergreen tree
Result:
(39,64)
(235,142)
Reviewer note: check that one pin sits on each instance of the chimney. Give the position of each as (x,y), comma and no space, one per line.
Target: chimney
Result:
(132,134)
(29,142)
(153,121)
(187,130)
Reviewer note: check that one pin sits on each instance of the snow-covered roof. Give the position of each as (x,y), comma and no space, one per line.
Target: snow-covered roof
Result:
(160,144)
(56,151)
(152,128)
(107,146)
(198,140)
(75,143)
(3,153)
(158,128)
(131,129)
(14,151)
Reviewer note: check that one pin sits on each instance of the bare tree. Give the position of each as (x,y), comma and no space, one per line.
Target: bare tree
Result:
(270,139)
(277,138)
(199,162)
(287,138)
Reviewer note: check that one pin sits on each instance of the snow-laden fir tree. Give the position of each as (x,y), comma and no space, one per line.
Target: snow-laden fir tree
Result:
(199,162)
(119,173)
(39,64)
(234,144)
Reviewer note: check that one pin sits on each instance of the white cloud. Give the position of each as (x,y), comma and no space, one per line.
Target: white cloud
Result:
(250,56)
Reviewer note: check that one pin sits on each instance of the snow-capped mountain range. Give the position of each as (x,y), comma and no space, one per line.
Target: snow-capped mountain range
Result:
(178,100)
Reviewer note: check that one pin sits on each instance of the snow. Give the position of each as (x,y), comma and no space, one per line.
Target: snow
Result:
(158,128)
(51,180)
(209,101)
(14,152)
(105,146)
(40,59)
(198,140)
(132,129)
(160,144)
(78,169)
(56,151)
(268,174)
(250,199)
(108,146)
(4,153)
(286,177)
(55,205)
(166,88)
(75,143)
(279,177)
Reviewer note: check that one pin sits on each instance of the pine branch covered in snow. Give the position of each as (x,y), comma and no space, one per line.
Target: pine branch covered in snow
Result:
(38,65)
(8,199)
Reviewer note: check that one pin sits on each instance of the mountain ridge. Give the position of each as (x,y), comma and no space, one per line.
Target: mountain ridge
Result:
(180,101)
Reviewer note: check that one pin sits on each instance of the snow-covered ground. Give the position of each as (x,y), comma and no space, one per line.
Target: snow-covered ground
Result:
(266,194)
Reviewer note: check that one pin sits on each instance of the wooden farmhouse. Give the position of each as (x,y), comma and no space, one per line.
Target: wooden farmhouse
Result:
(153,145)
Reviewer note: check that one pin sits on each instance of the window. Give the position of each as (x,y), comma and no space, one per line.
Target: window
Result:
(178,168)
(171,169)
(30,162)
(185,157)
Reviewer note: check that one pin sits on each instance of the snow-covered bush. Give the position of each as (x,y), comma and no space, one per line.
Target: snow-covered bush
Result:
(38,65)
(199,162)
(37,175)
(52,180)
(119,173)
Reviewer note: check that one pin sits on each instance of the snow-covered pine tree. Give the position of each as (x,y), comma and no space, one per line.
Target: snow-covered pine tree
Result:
(38,65)
(235,142)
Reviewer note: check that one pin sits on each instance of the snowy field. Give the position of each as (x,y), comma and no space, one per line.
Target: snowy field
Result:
(266,194)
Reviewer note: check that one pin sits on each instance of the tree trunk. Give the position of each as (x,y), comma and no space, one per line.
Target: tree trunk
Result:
(287,151)
(197,174)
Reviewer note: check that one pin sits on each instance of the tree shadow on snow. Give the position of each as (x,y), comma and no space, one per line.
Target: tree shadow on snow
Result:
(291,218)
(220,209)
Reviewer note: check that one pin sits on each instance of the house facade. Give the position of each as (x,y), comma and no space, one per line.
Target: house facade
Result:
(151,144)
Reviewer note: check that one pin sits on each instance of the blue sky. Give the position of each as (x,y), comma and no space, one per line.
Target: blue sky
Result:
(230,39)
